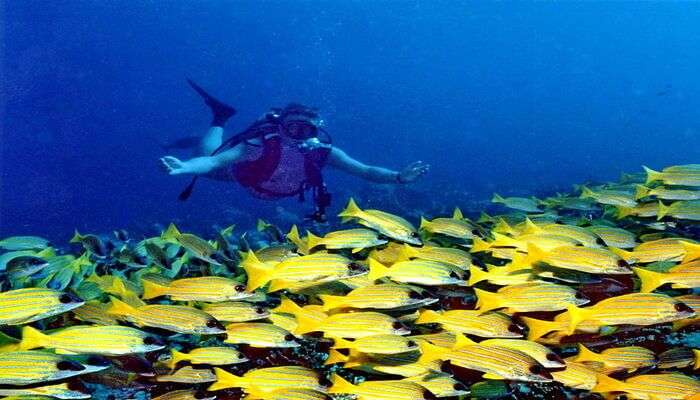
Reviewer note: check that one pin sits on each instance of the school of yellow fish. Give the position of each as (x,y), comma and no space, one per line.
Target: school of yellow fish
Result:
(456,308)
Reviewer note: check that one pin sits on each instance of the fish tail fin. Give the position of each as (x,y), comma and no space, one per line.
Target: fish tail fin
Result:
(77,237)
(607,384)
(118,307)
(32,338)
(624,254)
(376,270)
(530,227)
(340,385)
(497,199)
(175,357)
(277,285)
(487,300)
(428,317)
(170,234)
(430,352)
(479,244)
(576,316)
(650,279)
(258,273)
(502,226)
(462,341)
(407,252)
(288,306)
(483,217)
(534,254)
(457,214)
(261,225)
(697,359)
(584,354)
(424,223)
(586,193)
(623,212)
(350,211)
(330,302)
(538,328)
(663,211)
(652,175)
(641,191)
(339,343)
(477,275)
(152,289)
(335,357)
(312,240)
(692,251)
(225,380)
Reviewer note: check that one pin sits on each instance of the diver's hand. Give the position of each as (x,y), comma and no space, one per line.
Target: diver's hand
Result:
(413,172)
(173,165)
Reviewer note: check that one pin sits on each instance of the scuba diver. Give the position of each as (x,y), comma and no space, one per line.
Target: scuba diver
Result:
(282,154)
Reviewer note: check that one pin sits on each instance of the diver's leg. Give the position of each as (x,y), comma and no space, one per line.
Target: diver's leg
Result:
(221,112)
(212,139)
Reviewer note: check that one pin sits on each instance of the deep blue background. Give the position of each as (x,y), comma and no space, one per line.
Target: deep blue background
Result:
(512,97)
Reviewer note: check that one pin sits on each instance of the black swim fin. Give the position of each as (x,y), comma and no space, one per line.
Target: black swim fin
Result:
(221,111)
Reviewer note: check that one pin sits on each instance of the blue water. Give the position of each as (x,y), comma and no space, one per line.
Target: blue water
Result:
(518,98)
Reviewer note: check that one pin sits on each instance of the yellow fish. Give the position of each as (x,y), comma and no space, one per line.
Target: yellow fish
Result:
(355,239)
(86,339)
(188,374)
(472,322)
(577,233)
(496,362)
(181,319)
(455,227)
(22,306)
(518,203)
(387,224)
(576,376)
(205,288)
(629,358)
(195,245)
(422,272)
(668,249)
(441,385)
(614,237)
(688,210)
(95,312)
(610,197)
(24,243)
(379,390)
(257,334)
(317,267)
(693,301)
(59,391)
(681,276)
(235,311)
(446,255)
(269,379)
(665,193)
(542,354)
(641,210)
(538,328)
(356,325)
(578,258)
(676,175)
(632,309)
(527,297)
(377,344)
(207,355)
(30,367)
(651,387)
(305,316)
(285,394)
(381,296)
(514,273)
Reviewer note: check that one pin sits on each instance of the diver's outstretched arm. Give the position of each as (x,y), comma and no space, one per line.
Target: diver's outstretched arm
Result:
(340,160)
(202,165)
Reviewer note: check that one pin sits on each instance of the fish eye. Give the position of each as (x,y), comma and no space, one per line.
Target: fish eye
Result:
(414,295)
(239,288)
(67,365)
(354,266)
(475,232)
(459,386)
(600,241)
(553,357)
(323,381)
(200,394)
(622,263)
(66,298)
(97,361)
(289,337)
(414,234)
(454,275)
(536,369)
(212,323)
(411,343)
(579,296)
(259,310)
(682,307)
(514,328)
(397,325)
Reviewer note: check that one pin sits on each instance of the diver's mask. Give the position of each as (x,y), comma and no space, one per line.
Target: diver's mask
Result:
(299,129)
